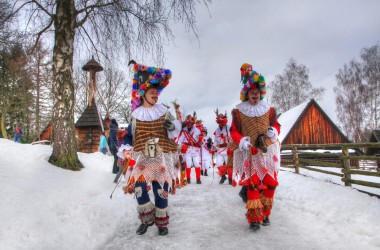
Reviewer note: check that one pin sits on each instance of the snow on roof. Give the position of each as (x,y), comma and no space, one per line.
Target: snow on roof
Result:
(288,119)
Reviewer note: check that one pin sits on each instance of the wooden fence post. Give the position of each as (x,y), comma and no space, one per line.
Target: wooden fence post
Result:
(346,166)
(295,160)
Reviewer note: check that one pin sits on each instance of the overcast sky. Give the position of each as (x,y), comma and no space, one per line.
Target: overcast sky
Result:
(322,35)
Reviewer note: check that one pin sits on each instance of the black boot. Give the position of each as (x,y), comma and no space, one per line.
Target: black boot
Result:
(163,230)
(254,226)
(201,172)
(206,173)
(188,181)
(199,181)
(223,179)
(230,181)
(243,194)
(266,222)
(143,228)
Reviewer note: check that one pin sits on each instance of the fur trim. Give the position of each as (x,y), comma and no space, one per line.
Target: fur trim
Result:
(146,212)
(161,212)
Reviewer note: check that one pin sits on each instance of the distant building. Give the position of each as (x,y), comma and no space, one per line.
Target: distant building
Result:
(307,123)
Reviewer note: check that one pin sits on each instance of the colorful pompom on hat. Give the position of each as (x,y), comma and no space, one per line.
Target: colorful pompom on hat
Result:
(147,77)
(251,80)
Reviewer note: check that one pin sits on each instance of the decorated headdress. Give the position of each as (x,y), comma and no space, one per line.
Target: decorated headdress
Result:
(204,129)
(221,118)
(199,125)
(251,80)
(190,120)
(147,77)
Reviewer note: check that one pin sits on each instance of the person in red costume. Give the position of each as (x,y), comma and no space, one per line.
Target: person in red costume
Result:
(257,160)
(190,140)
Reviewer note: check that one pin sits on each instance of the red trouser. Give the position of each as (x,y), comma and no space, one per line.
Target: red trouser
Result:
(259,205)
(197,173)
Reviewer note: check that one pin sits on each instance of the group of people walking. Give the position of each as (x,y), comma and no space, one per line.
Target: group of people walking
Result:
(163,149)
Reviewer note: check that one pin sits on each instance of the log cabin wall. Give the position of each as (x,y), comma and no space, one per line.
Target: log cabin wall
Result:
(314,128)
(88,139)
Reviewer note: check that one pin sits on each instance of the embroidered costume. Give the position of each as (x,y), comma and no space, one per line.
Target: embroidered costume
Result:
(257,160)
(155,153)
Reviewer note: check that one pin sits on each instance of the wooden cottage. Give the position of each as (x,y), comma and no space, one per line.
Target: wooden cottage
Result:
(88,129)
(307,123)
(90,125)
(47,133)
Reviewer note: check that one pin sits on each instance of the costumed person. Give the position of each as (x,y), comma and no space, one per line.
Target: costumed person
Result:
(207,151)
(124,137)
(190,140)
(221,139)
(182,179)
(257,160)
(155,153)
(125,155)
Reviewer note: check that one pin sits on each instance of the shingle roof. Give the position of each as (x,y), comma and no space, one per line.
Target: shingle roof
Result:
(90,118)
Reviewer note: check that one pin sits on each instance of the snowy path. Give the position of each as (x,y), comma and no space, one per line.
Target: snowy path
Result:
(43,207)
(212,217)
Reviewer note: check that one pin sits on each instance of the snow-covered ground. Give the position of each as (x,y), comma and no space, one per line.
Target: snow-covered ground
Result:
(45,207)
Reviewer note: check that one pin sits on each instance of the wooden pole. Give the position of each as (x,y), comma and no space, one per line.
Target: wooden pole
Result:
(295,160)
(346,166)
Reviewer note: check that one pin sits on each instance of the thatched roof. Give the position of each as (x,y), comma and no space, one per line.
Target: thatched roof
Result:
(90,118)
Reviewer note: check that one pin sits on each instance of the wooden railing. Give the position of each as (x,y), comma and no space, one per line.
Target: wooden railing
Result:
(335,156)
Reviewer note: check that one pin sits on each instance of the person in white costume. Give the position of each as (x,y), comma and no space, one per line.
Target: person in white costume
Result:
(207,152)
(190,140)
(221,138)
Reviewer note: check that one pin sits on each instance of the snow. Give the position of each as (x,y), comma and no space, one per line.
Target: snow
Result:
(288,118)
(45,207)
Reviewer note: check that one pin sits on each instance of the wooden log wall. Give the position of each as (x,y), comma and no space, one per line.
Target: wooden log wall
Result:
(314,128)
(87,144)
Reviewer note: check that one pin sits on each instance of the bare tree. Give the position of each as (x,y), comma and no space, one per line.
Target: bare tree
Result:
(358,95)
(5,31)
(126,24)
(371,73)
(114,93)
(40,68)
(293,87)
(81,87)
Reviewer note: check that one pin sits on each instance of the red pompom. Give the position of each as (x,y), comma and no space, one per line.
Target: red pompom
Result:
(132,162)
(254,150)
(234,183)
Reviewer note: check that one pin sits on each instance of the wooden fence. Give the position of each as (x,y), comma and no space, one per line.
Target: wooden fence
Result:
(334,156)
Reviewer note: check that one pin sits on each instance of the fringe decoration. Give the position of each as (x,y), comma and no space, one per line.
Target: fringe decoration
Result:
(254,204)
(266,201)
(254,215)
(162,222)
(162,217)
(146,212)
(254,211)
(268,204)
